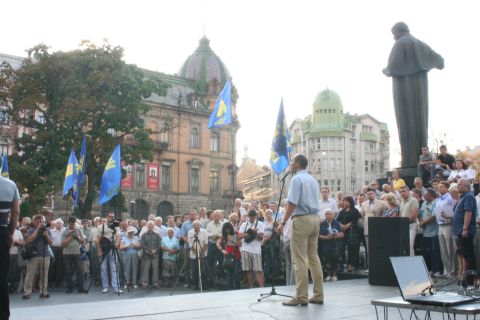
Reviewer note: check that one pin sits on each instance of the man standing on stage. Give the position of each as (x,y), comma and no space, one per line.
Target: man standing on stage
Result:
(9,205)
(303,204)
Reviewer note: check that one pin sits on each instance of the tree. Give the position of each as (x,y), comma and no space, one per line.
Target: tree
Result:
(62,96)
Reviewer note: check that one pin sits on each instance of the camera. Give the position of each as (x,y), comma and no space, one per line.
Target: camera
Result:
(115,224)
(251,235)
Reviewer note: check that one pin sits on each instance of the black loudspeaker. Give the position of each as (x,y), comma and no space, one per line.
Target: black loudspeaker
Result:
(387,237)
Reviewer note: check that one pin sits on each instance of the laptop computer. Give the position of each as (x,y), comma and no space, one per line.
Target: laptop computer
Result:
(414,282)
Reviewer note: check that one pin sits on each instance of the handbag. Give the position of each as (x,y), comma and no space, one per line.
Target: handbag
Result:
(28,252)
(229,262)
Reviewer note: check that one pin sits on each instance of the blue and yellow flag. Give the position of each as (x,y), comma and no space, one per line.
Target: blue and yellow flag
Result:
(112,176)
(4,169)
(279,158)
(222,111)
(70,173)
(82,160)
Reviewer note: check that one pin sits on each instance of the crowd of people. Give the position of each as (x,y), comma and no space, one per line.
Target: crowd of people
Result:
(202,247)
(194,250)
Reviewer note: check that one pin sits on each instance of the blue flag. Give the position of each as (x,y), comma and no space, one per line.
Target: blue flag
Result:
(222,111)
(70,173)
(279,158)
(82,160)
(112,177)
(4,170)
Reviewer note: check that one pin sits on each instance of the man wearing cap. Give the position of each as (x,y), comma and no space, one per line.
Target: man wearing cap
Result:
(71,239)
(303,204)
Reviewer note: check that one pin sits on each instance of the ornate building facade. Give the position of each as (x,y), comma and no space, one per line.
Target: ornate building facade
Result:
(344,151)
(192,165)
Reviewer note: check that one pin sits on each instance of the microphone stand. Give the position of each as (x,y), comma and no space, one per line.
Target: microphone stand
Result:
(275,244)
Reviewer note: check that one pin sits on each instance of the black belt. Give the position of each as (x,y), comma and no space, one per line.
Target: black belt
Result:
(301,215)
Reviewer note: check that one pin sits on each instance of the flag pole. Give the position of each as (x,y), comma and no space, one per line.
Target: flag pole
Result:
(66,209)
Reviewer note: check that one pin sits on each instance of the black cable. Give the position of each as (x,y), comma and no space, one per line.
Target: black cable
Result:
(262,312)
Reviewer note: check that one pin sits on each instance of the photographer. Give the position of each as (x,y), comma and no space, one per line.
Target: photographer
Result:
(251,232)
(39,238)
(72,238)
(107,237)
(330,232)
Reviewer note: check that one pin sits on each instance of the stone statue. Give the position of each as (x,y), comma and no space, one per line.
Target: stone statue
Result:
(408,65)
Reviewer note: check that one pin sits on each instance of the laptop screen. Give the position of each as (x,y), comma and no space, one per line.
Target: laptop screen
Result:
(412,275)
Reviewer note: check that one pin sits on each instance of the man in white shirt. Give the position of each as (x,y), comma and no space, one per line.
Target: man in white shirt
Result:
(443,209)
(327,203)
(56,272)
(198,244)
(251,234)
(287,236)
(17,242)
(214,231)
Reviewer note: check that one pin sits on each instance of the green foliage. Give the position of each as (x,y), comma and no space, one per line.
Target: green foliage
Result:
(26,210)
(60,97)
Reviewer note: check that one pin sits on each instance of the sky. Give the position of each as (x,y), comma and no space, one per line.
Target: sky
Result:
(279,49)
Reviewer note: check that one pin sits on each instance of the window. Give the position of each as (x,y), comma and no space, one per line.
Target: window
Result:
(215,142)
(165,178)
(41,118)
(194,180)
(139,176)
(214,182)
(194,136)
(372,166)
(366,166)
(4,117)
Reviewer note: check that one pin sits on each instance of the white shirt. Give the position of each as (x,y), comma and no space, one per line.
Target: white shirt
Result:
(255,246)
(17,236)
(463,174)
(156,229)
(287,230)
(56,237)
(198,248)
(331,204)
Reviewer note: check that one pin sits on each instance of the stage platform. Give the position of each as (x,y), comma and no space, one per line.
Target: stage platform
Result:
(349,299)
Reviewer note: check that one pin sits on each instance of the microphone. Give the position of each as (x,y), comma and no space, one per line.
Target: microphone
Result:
(286,175)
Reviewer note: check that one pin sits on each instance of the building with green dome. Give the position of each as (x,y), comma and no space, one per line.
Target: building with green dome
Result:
(345,151)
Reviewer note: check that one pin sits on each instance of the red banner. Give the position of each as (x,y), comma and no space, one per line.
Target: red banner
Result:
(127,182)
(152,176)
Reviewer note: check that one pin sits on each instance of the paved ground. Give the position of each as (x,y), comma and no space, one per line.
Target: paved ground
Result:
(349,299)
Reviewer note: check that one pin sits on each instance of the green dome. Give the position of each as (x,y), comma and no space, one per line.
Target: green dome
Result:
(328,99)
(204,66)
(327,113)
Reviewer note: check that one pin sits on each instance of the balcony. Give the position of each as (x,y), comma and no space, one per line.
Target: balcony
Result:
(368,136)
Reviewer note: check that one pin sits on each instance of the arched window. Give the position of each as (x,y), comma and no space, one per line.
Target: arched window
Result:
(194,137)
(215,142)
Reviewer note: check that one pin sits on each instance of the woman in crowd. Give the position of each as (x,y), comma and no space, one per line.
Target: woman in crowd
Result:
(170,247)
(348,218)
(460,172)
(396,181)
(393,208)
(331,236)
(129,245)
(271,260)
(229,245)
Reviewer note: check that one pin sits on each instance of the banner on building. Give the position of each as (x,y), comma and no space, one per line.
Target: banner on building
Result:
(152,174)
(127,182)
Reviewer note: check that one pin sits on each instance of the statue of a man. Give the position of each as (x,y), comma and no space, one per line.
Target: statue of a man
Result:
(408,65)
